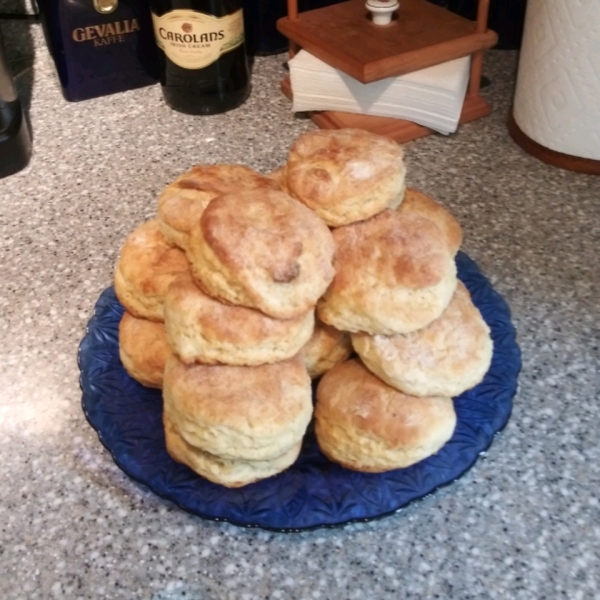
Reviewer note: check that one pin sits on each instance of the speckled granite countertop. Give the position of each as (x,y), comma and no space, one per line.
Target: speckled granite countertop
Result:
(523,523)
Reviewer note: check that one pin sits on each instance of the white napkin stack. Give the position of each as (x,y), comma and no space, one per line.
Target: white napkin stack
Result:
(432,97)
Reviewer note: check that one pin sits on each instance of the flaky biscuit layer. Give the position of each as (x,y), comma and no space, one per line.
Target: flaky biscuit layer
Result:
(231,473)
(143,349)
(147,265)
(249,413)
(203,329)
(366,425)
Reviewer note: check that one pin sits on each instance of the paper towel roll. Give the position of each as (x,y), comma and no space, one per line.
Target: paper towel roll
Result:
(557,97)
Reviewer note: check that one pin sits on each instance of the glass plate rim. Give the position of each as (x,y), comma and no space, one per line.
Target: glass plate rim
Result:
(474,269)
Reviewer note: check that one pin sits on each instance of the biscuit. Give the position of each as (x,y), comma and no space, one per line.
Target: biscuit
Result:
(143,349)
(263,250)
(147,266)
(366,425)
(394,274)
(182,202)
(326,348)
(228,472)
(446,358)
(245,413)
(345,175)
(202,329)
(418,203)
(278,176)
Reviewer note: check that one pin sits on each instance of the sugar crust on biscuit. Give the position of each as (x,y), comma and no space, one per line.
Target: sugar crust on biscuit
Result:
(449,356)
(147,265)
(394,274)
(345,175)
(263,250)
(182,202)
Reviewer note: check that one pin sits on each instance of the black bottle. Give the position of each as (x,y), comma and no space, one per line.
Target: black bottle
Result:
(506,18)
(202,54)
(15,141)
(260,18)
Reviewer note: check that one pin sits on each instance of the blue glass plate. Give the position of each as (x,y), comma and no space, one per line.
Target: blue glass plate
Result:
(313,492)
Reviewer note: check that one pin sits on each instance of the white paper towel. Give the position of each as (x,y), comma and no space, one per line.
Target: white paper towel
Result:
(557,97)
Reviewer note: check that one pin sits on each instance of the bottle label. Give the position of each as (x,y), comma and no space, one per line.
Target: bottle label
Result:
(194,40)
(104,34)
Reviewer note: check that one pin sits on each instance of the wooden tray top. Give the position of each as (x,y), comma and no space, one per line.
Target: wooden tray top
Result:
(421,36)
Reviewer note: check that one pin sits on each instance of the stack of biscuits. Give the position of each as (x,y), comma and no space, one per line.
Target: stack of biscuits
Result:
(220,293)
(248,286)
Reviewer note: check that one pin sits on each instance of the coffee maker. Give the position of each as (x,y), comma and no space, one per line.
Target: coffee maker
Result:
(15,140)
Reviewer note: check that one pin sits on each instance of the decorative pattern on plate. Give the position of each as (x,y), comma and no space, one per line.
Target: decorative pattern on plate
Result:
(313,492)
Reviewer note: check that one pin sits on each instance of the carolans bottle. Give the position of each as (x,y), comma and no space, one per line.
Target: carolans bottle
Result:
(203,61)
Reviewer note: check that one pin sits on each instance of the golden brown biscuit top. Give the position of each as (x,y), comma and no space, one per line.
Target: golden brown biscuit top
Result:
(328,166)
(460,325)
(257,398)
(148,261)
(418,203)
(224,322)
(402,249)
(180,208)
(223,179)
(265,230)
(183,201)
(351,396)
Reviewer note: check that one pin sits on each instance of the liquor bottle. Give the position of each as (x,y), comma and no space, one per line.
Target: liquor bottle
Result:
(260,18)
(506,18)
(15,140)
(203,61)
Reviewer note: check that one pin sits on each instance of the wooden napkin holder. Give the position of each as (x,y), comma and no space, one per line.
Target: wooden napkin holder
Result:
(421,35)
